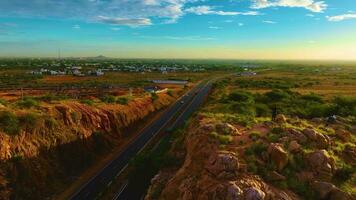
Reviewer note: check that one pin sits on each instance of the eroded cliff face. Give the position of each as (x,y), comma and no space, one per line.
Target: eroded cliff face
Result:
(67,138)
(289,159)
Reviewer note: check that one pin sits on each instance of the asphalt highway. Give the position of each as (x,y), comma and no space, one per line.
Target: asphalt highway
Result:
(129,192)
(185,106)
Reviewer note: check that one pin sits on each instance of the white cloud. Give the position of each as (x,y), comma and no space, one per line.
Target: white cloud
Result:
(134,22)
(240,24)
(167,11)
(115,29)
(312,5)
(214,27)
(208,10)
(343,17)
(76,26)
(269,22)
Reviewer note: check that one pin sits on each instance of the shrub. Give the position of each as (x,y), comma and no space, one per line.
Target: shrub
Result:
(255,135)
(87,102)
(272,137)
(313,97)
(3,102)
(256,149)
(243,108)
(9,123)
(223,139)
(27,102)
(277,95)
(241,96)
(122,100)
(345,106)
(28,121)
(262,110)
(170,93)
(154,96)
(344,173)
(108,99)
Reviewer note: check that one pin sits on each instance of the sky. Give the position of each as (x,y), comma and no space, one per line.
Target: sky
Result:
(201,29)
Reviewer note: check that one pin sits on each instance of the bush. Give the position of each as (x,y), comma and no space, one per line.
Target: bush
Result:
(344,173)
(87,102)
(28,121)
(154,96)
(345,106)
(241,96)
(170,93)
(108,99)
(313,97)
(254,135)
(223,139)
(243,108)
(256,149)
(122,100)
(262,110)
(9,123)
(3,102)
(27,102)
(277,95)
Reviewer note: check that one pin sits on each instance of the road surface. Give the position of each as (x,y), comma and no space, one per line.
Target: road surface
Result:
(129,192)
(186,104)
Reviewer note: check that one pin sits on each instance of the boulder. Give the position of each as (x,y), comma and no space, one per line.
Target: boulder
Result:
(278,155)
(227,129)
(294,147)
(297,135)
(253,193)
(275,176)
(281,118)
(233,192)
(321,140)
(322,189)
(223,165)
(326,190)
(343,135)
(321,164)
(350,154)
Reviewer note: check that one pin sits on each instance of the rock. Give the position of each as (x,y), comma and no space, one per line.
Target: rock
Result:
(321,140)
(278,155)
(223,165)
(337,194)
(294,147)
(281,118)
(253,193)
(208,127)
(297,135)
(233,192)
(323,189)
(343,135)
(350,154)
(275,176)
(326,190)
(305,176)
(317,120)
(227,129)
(322,164)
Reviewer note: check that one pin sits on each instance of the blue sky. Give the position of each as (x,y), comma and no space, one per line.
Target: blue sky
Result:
(241,29)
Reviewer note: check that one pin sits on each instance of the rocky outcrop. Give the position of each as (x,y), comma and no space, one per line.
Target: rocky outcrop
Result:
(278,155)
(326,190)
(321,164)
(294,147)
(223,165)
(227,129)
(322,141)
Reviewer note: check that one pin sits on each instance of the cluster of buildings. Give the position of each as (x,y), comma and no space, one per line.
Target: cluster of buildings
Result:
(75,71)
